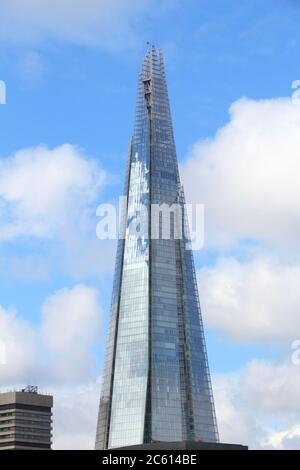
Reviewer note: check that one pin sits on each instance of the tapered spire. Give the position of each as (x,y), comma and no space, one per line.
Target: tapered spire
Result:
(156,381)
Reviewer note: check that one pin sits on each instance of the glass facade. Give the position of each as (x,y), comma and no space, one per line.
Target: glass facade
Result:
(156,382)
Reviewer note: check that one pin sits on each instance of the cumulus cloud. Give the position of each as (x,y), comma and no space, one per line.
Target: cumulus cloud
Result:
(41,189)
(247,175)
(50,195)
(252,300)
(104,23)
(236,425)
(285,440)
(58,350)
(70,324)
(57,355)
(259,405)
(18,347)
(75,416)
(74,313)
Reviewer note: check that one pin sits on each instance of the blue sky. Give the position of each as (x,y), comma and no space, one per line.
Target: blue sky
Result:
(74,82)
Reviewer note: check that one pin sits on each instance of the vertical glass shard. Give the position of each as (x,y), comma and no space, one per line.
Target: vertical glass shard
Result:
(156,383)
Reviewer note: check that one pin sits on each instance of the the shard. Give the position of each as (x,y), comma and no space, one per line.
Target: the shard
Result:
(156,382)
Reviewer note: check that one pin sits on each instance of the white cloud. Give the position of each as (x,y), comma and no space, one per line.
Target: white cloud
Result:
(41,190)
(70,324)
(236,425)
(75,416)
(57,355)
(50,195)
(247,178)
(254,300)
(104,23)
(58,350)
(18,342)
(273,388)
(247,175)
(285,440)
(259,405)
(75,314)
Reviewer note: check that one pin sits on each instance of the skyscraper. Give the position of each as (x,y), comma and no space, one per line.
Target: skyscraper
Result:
(156,382)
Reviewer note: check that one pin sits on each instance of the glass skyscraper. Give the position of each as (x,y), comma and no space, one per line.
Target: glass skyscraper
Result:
(156,382)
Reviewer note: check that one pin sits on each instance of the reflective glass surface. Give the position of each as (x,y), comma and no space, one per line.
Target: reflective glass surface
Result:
(156,384)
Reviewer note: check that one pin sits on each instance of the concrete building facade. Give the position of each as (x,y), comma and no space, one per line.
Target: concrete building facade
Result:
(25,420)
